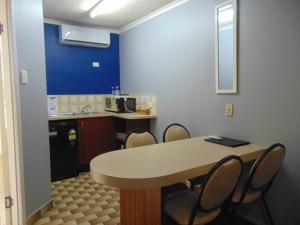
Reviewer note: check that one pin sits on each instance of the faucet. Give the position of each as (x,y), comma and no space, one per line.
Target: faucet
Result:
(86,109)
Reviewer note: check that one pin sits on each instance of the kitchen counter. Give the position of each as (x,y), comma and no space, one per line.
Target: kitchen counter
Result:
(127,116)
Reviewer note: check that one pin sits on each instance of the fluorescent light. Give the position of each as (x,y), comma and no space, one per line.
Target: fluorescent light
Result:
(68,33)
(89,4)
(225,7)
(226,16)
(109,6)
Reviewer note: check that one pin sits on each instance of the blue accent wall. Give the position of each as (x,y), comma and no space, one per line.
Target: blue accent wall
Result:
(69,68)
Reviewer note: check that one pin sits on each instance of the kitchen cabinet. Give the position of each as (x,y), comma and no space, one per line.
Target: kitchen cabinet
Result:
(96,136)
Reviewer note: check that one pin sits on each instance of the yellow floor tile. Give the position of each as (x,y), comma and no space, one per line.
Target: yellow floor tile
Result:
(82,201)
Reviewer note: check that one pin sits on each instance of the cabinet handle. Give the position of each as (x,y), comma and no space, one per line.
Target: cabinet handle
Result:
(82,125)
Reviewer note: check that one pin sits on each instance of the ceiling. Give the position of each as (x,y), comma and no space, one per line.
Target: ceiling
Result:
(72,11)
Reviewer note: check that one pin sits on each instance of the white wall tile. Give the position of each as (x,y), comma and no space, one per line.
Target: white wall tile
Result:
(64,99)
(82,98)
(74,103)
(74,108)
(91,98)
(73,98)
(99,108)
(64,108)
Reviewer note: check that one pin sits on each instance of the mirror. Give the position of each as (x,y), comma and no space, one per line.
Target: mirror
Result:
(226,47)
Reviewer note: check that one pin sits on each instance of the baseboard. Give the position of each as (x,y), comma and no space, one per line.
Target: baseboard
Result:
(39,213)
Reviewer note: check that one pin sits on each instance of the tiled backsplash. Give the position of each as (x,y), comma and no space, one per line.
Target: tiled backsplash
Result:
(75,103)
(146,101)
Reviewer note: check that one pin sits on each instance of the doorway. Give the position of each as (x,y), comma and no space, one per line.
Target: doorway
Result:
(11,185)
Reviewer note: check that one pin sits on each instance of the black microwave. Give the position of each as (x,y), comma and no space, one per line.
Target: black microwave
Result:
(120,104)
(126,105)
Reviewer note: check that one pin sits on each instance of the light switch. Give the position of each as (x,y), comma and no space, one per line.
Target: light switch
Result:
(229,110)
(96,64)
(24,77)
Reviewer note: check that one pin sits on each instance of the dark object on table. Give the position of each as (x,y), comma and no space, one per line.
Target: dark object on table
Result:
(227,141)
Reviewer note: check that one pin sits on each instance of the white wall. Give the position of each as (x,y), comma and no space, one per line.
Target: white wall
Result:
(172,55)
(28,26)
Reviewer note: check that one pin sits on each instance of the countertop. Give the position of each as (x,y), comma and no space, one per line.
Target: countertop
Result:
(159,165)
(128,116)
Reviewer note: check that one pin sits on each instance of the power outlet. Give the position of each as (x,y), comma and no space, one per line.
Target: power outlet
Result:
(229,110)
(96,65)
(24,77)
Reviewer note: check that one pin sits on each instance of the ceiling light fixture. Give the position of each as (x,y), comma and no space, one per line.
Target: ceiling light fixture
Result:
(89,4)
(108,6)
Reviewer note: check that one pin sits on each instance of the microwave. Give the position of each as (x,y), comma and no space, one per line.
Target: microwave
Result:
(120,104)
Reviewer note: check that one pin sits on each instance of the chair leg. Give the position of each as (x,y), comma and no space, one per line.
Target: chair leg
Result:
(225,219)
(233,214)
(192,185)
(267,210)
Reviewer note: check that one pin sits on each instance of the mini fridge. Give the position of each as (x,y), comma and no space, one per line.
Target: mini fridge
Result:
(63,149)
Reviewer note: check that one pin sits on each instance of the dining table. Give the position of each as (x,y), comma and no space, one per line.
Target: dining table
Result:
(140,173)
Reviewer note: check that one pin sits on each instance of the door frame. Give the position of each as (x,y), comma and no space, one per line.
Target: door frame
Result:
(14,157)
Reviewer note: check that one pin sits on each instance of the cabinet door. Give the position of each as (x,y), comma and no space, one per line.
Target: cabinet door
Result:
(96,136)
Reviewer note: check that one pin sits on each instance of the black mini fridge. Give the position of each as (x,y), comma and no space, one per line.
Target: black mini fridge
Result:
(63,149)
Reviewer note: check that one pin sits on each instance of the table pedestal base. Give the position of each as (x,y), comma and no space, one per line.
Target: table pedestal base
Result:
(140,207)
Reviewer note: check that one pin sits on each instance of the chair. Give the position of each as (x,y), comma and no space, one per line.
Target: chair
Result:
(190,208)
(139,137)
(175,132)
(260,179)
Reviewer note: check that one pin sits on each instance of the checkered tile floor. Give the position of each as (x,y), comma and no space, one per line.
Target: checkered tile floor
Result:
(82,201)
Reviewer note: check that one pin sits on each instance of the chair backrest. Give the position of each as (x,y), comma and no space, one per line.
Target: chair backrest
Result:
(139,138)
(220,183)
(175,132)
(266,167)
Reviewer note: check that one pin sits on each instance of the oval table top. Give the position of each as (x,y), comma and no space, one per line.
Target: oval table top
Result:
(159,165)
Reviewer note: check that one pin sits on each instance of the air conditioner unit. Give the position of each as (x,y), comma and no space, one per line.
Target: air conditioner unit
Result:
(74,35)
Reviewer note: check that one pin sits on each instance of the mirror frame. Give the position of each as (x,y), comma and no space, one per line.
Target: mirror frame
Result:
(235,63)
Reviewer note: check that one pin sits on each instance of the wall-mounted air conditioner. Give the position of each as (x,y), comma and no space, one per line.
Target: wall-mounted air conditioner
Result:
(74,35)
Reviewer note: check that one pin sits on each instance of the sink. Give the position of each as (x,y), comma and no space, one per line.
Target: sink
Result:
(70,114)
(89,113)
(60,114)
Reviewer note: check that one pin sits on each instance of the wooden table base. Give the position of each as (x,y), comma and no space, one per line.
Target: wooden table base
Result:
(140,207)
